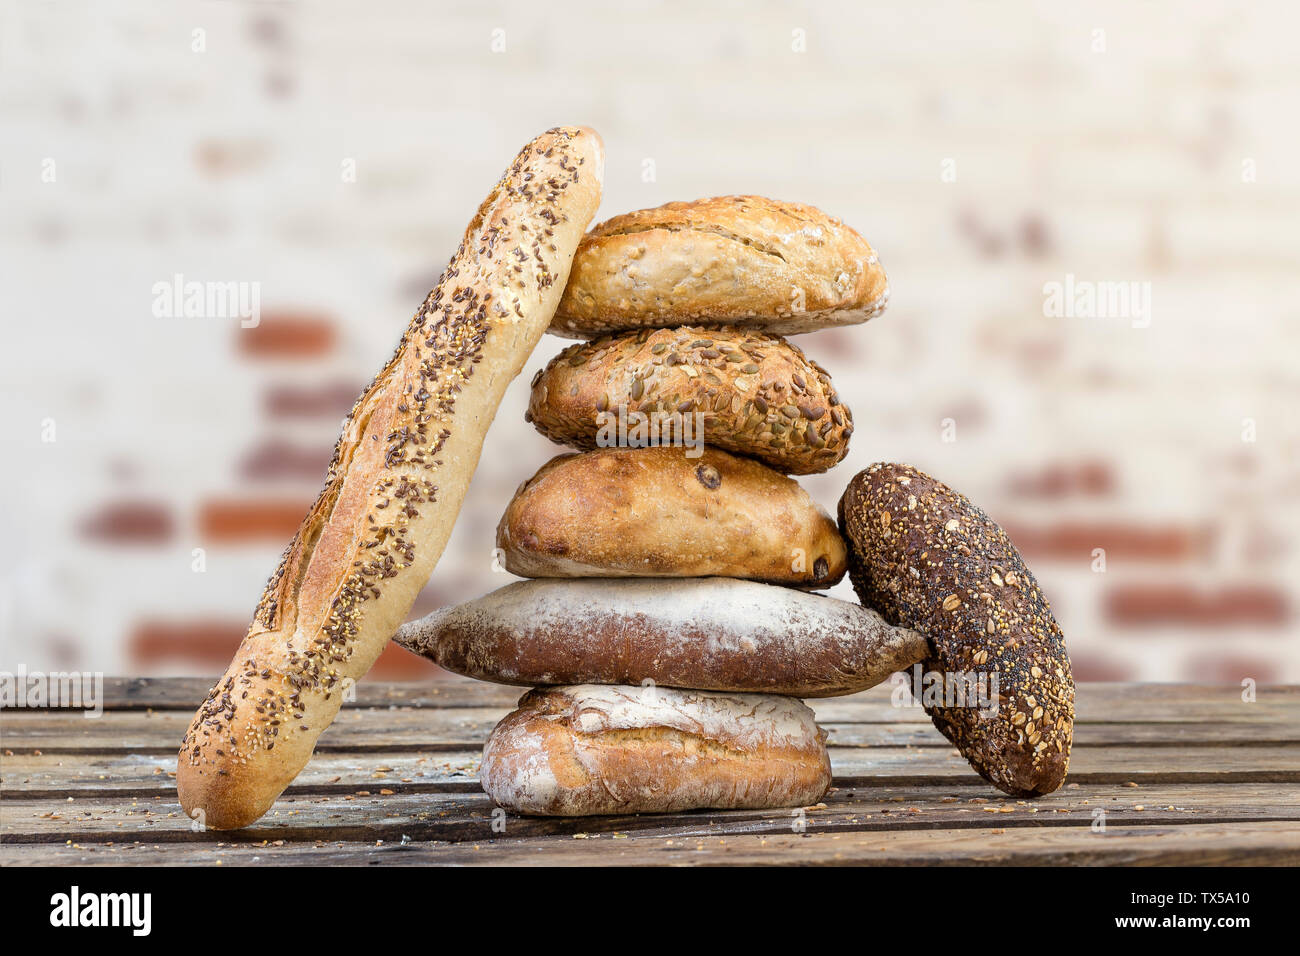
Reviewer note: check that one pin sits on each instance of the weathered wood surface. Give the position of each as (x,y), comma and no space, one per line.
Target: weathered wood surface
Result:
(1160,774)
(1103,701)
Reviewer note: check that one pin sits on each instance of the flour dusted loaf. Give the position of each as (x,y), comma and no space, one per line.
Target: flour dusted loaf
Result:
(394,487)
(598,749)
(925,557)
(655,512)
(755,394)
(709,633)
(733,260)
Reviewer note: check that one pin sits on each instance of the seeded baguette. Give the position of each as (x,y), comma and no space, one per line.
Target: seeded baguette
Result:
(759,394)
(708,633)
(926,558)
(601,749)
(733,260)
(654,512)
(394,487)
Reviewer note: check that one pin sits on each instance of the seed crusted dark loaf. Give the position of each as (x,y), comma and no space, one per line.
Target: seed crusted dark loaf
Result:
(924,557)
(394,487)
(601,749)
(759,394)
(732,260)
(708,633)
(654,512)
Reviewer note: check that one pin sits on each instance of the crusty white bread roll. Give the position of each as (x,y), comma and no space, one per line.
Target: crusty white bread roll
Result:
(595,749)
(658,512)
(392,492)
(707,633)
(733,260)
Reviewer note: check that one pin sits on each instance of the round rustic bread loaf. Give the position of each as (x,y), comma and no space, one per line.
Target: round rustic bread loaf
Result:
(655,512)
(925,557)
(753,394)
(601,749)
(709,633)
(733,260)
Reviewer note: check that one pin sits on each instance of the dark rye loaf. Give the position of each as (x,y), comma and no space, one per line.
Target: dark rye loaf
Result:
(925,557)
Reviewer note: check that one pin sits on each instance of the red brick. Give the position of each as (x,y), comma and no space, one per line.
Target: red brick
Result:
(237,522)
(1062,480)
(221,158)
(969,412)
(277,459)
(130,522)
(208,641)
(1232,669)
(1151,605)
(212,643)
(397,663)
(331,401)
(1086,667)
(288,335)
(1075,541)
(1035,237)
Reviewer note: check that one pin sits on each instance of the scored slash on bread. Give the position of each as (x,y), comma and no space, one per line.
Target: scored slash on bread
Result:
(392,492)
(658,512)
(709,633)
(601,749)
(732,260)
(758,394)
(925,557)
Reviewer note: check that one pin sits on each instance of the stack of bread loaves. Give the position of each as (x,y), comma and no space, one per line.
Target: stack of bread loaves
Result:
(665,627)
(669,628)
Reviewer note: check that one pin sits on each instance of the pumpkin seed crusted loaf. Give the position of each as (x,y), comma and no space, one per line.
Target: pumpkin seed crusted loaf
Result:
(924,557)
(734,260)
(758,394)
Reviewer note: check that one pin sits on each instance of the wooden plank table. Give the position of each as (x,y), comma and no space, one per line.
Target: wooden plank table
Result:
(1160,774)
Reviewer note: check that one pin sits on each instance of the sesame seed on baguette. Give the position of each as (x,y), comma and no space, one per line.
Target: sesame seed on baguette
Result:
(399,473)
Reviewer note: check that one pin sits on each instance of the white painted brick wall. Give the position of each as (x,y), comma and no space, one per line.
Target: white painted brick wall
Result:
(1131,159)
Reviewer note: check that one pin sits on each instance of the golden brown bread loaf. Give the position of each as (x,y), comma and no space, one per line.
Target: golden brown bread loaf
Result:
(925,557)
(733,260)
(707,633)
(600,749)
(752,394)
(654,512)
(394,487)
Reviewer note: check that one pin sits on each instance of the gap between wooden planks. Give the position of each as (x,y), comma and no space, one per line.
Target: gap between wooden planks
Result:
(1101,701)
(1265,843)
(371,814)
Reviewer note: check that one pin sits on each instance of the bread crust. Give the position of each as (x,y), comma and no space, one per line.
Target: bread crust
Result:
(654,512)
(925,557)
(394,487)
(600,749)
(708,633)
(731,260)
(759,395)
